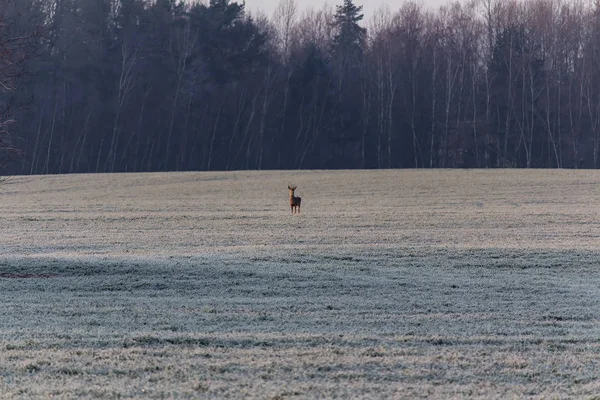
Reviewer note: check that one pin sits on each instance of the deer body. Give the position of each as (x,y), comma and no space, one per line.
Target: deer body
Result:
(294,201)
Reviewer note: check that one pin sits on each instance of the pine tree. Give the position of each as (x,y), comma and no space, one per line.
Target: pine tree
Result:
(350,36)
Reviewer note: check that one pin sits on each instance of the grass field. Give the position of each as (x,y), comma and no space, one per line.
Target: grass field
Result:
(403,284)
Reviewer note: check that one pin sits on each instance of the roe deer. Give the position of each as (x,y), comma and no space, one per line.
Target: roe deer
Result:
(294,201)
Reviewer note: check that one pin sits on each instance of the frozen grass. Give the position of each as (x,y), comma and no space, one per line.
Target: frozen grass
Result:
(450,284)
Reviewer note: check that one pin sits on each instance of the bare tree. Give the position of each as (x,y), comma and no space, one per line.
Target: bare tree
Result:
(184,48)
(386,80)
(126,83)
(285,20)
(410,29)
(17,48)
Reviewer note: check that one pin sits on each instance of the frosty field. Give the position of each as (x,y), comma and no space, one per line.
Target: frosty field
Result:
(390,284)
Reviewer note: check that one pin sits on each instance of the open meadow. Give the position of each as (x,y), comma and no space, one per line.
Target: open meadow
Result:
(389,284)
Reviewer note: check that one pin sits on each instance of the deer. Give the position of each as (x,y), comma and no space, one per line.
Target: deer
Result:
(294,201)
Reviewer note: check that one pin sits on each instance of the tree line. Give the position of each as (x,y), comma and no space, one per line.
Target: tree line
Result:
(168,85)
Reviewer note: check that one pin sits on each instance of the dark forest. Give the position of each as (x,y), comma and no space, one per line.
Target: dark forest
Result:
(164,85)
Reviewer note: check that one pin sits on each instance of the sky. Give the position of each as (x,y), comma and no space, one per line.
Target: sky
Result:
(369,6)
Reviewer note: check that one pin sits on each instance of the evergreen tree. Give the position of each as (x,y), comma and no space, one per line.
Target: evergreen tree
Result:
(348,50)
(350,37)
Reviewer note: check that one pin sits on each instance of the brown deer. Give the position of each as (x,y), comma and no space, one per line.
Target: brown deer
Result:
(294,201)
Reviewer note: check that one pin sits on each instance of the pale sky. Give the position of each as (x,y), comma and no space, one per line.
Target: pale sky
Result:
(369,6)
